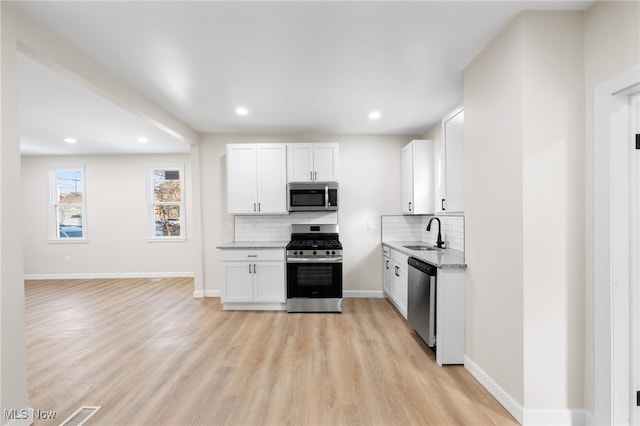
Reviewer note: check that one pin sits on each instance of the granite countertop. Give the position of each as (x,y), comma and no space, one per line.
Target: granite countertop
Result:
(253,245)
(443,258)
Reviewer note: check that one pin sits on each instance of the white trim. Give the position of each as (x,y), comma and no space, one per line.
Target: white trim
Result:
(608,205)
(363,294)
(510,404)
(108,275)
(554,417)
(589,419)
(212,293)
(634,232)
(68,241)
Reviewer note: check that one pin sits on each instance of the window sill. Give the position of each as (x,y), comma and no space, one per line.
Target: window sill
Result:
(166,239)
(68,241)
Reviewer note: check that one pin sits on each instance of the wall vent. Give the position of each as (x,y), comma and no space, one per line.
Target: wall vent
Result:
(81,415)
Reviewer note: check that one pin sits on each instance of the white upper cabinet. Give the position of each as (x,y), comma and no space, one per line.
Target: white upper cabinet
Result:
(418,177)
(272,178)
(452,189)
(256,178)
(312,162)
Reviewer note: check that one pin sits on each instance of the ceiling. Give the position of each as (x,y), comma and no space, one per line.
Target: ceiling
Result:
(298,67)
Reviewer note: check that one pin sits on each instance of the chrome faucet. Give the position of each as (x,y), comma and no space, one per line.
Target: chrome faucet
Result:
(439,242)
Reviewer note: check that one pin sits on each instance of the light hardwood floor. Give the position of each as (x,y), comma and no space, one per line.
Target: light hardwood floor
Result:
(150,354)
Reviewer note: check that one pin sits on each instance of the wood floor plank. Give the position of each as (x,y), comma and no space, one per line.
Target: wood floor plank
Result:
(150,354)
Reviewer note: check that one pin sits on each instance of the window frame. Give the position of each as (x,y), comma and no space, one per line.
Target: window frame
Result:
(54,205)
(152,237)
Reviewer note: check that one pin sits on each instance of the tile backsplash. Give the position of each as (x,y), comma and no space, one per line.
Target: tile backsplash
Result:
(413,228)
(277,227)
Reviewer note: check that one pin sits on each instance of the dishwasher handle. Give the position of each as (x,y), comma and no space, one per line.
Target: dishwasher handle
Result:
(423,267)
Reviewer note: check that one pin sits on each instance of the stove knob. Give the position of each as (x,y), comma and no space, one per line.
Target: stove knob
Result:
(300,253)
(327,252)
(333,252)
(295,253)
(314,253)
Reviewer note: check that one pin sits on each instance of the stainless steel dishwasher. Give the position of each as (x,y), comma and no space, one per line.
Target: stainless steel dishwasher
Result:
(421,303)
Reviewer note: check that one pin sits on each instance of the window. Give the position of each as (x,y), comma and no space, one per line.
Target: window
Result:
(67,205)
(167,203)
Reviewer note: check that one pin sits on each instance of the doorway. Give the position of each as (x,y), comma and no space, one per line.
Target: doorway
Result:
(616,242)
(634,121)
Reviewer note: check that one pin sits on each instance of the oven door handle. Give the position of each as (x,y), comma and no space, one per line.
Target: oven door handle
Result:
(337,259)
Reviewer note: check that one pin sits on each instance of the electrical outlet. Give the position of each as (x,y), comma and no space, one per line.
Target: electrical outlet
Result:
(369,226)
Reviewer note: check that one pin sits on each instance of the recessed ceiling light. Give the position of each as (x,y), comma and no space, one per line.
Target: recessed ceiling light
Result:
(142,139)
(242,110)
(374,115)
(70,140)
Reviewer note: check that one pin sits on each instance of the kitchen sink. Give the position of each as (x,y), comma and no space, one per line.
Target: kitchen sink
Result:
(421,247)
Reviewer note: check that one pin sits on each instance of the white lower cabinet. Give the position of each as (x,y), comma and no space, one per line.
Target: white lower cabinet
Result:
(450,316)
(253,279)
(395,278)
(449,302)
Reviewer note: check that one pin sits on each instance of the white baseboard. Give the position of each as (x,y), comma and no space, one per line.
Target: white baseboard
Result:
(368,294)
(212,293)
(109,275)
(526,416)
(510,404)
(554,417)
(589,419)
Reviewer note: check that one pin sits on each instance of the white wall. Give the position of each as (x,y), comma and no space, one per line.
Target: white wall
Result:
(118,215)
(553,214)
(612,46)
(13,358)
(493,100)
(524,131)
(366,193)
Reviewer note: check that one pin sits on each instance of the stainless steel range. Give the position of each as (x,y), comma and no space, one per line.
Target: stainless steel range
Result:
(314,269)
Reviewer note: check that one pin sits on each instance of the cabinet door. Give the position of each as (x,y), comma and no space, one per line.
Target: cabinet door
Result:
(272,178)
(300,162)
(402,289)
(407,179)
(268,282)
(325,162)
(237,282)
(453,131)
(242,192)
(387,275)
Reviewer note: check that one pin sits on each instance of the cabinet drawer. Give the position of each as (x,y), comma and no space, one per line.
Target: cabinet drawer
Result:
(399,258)
(386,251)
(247,255)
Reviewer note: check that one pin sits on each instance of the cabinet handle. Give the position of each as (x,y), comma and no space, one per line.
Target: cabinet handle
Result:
(409,205)
(387,264)
(249,268)
(252,255)
(315,175)
(254,268)
(442,204)
(397,272)
(310,175)
(254,207)
(259,208)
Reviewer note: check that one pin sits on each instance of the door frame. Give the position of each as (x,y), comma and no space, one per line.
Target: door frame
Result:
(611,253)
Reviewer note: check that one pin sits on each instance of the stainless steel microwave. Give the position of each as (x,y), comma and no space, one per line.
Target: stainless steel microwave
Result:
(312,196)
